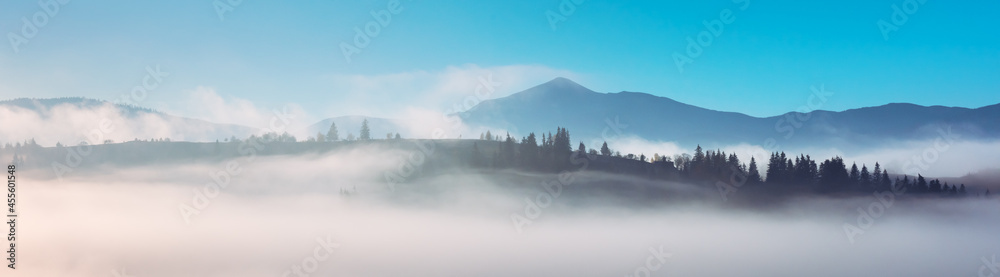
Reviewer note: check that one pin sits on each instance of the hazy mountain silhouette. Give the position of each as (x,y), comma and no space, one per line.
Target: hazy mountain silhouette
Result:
(193,129)
(593,115)
(78,102)
(562,102)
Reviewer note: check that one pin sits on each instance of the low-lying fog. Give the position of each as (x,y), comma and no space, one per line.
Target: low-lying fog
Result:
(270,216)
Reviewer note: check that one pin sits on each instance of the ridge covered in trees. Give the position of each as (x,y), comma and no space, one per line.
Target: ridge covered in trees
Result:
(554,152)
(799,173)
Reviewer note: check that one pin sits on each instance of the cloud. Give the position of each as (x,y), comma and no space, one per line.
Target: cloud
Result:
(926,157)
(70,125)
(206,104)
(636,145)
(458,224)
(447,90)
(929,159)
(426,123)
(418,100)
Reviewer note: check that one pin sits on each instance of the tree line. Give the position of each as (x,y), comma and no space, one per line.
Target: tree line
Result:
(552,152)
(800,172)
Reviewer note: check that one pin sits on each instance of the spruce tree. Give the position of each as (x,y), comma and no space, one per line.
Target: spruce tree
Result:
(866,177)
(935,186)
(332,134)
(855,176)
(366,133)
(877,176)
(885,183)
(753,175)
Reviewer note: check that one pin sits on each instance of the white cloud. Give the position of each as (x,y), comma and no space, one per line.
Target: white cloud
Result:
(955,160)
(636,145)
(71,125)
(418,100)
(425,123)
(464,218)
(206,104)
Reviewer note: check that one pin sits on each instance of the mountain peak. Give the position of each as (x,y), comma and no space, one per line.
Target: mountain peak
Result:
(558,87)
(562,83)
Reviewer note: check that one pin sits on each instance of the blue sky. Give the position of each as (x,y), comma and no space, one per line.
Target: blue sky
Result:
(265,53)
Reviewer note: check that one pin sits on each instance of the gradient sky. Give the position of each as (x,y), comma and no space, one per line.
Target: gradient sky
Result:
(263,52)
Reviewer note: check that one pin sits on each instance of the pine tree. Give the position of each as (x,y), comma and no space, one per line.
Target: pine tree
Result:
(877,176)
(753,175)
(605,151)
(529,152)
(866,177)
(734,162)
(365,131)
(855,176)
(884,181)
(789,169)
(561,148)
(921,184)
(507,153)
(332,135)
(833,174)
(775,168)
(476,158)
(935,186)
(698,163)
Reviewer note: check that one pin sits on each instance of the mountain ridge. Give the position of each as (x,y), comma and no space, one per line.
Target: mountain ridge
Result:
(661,118)
(592,116)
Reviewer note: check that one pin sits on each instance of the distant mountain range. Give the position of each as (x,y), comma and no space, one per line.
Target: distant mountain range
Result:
(590,115)
(78,102)
(137,120)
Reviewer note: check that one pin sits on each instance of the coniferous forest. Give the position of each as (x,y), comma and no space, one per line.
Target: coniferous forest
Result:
(783,174)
